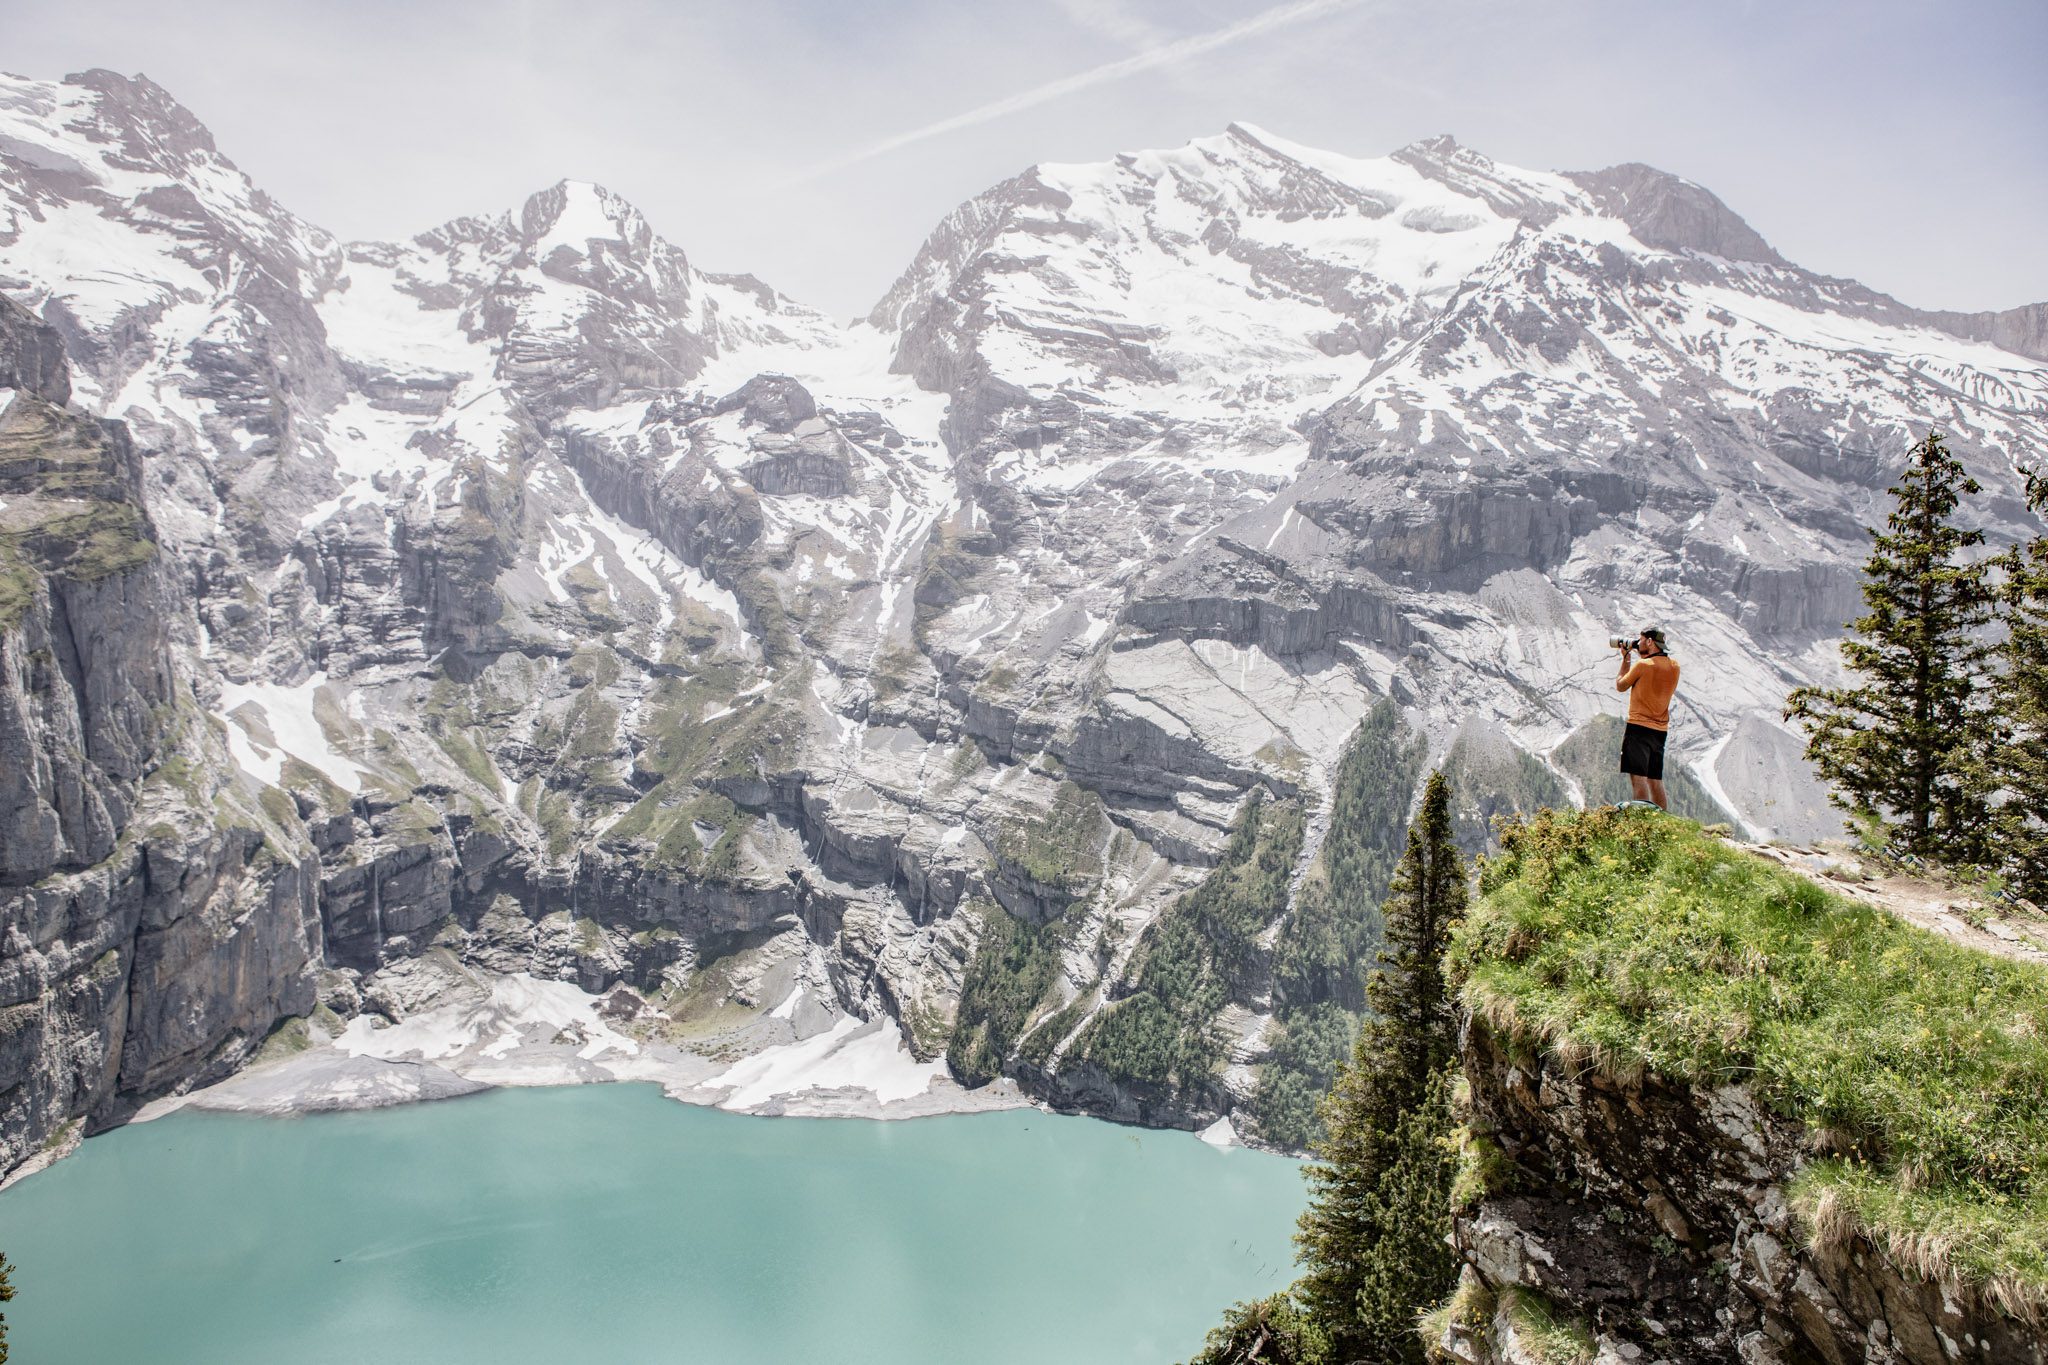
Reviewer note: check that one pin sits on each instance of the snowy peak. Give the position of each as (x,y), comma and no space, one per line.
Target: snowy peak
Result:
(576,215)
(154,126)
(1674,214)
(121,148)
(581,234)
(1533,197)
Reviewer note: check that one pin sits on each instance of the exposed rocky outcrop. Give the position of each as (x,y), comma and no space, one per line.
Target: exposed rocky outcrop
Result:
(1658,1213)
(2022,330)
(1665,211)
(157,918)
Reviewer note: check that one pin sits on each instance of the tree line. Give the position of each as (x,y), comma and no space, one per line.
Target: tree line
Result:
(1939,744)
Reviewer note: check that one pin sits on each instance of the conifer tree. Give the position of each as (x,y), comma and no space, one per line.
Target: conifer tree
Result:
(1905,741)
(1275,1330)
(2021,701)
(1372,1239)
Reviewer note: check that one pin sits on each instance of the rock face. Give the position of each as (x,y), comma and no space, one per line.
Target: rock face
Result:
(156,923)
(454,594)
(1658,1214)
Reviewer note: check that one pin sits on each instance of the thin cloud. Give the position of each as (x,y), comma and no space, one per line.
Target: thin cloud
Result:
(1150,59)
(1115,20)
(1112,19)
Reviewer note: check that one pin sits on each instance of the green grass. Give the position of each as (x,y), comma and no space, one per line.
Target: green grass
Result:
(556,812)
(758,734)
(470,754)
(1483,1170)
(279,807)
(17,588)
(78,522)
(301,778)
(1917,1067)
(668,819)
(84,543)
(1546,1335)
(288,1039)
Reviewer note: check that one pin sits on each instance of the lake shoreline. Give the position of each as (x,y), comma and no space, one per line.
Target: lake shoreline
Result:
(536,1223)
(797,1060)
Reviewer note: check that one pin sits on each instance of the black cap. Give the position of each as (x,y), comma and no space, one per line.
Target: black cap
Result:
(1653,633)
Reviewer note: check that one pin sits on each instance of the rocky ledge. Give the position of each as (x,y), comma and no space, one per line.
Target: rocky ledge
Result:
(1660,1214)
(1716,1112)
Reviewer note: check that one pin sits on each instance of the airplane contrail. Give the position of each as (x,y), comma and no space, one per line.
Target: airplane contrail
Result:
(1164,55)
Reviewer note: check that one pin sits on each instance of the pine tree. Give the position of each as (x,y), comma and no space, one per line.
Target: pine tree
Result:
(1414,1025)
(1905,742)
(1372,1238)
(1271,1331)
(2020,698)
(1409,1267)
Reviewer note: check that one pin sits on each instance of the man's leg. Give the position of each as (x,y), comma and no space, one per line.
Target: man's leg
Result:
(1642,786)
(1656,787)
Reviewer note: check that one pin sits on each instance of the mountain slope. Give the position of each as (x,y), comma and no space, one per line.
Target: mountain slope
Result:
(590,614)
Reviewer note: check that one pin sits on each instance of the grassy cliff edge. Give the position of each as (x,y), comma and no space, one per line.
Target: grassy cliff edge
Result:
(1916,1069)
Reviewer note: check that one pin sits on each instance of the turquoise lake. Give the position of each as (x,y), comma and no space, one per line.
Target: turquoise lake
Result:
(608,1223)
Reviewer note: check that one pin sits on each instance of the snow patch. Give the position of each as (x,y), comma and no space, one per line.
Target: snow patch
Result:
(515,1004)
(288,715)
(851,1054)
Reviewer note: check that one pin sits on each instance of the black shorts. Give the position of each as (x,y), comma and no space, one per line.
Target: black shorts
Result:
(1642,752)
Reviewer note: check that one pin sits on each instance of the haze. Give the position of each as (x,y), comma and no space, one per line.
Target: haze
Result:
(815,144)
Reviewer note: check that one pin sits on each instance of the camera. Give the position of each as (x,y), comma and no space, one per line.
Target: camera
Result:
(1618,643)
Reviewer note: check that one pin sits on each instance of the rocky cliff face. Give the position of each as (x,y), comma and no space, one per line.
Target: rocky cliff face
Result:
(464,591)
(1659,1213)
(158,919)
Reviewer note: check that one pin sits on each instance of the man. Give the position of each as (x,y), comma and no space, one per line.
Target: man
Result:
(1650,684)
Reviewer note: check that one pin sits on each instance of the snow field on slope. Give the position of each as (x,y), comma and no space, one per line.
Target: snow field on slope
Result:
(376,323)
(588,214)
(848,370)
(99,268)
(636,553)
(371,446)
(288,713)
(867,1055)
(515,1003)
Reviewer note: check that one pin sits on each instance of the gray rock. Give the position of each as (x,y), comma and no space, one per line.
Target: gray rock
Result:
(480,634)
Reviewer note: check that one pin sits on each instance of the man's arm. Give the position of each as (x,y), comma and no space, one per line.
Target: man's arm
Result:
(1628,675)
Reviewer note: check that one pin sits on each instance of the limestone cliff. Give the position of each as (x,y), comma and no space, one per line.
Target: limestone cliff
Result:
(158,914)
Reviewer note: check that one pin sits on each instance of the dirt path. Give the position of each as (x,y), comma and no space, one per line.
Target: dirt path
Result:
(1928,900)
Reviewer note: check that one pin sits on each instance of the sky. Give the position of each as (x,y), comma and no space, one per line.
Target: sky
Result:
(814,143)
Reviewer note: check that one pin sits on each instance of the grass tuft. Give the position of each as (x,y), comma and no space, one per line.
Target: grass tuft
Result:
(1542,1333)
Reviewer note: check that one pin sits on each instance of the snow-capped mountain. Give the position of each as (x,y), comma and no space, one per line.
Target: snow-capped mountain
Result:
(523,577)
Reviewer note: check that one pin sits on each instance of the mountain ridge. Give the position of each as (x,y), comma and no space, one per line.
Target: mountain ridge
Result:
(527,577)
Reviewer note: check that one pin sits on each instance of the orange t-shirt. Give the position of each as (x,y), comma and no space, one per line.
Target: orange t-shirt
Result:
(1650,685)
